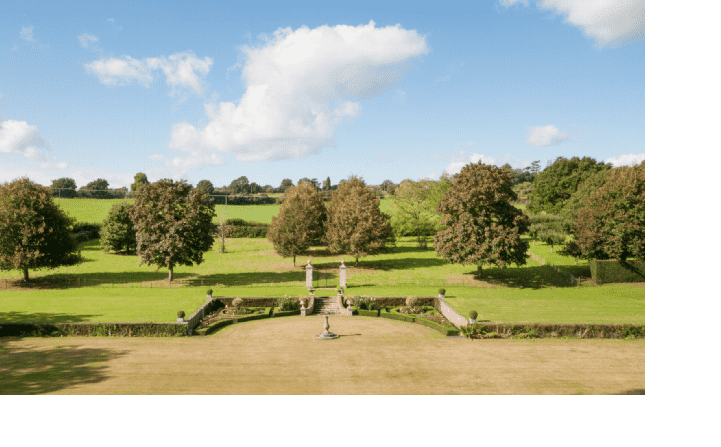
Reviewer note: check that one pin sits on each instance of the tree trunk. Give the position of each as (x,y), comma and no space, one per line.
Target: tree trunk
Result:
(293,260)
(480,271)
(170,272)
(26,276)
(551,248)
(356,261)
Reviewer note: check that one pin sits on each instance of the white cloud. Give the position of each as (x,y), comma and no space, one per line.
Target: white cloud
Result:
(432,176)
(18,137)
(627,160)
(26,33)
(182,70)
(301,85)
(546,136)
(471,143)
(156,157)
(86,39)
(462,158)
(196,160)
(609,23)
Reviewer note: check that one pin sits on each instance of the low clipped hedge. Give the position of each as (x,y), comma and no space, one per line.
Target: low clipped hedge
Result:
(93,330)
(367,313)
(397,316)
(285,313)
(439,327)
(553,330)
(228,321)
(606,272)
(247,301)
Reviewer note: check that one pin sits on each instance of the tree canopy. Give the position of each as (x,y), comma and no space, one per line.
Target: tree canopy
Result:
(206,186)
(612,224)
(173,223)
(285,184)
(356,225)
(140,179)
(300,221)
(65,187)
(97,189)
(556,184)
(117,232)
(241,185)
(482,227)
(413,208)
(34,232)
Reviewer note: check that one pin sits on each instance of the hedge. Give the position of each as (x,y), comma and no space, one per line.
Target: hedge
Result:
(439,327)
(285,313)
(367,313)
(397,316)
(247,301)
(553,330)
(228,321)
(245,200)
(606,272)
(90,230)
(93,329)
(401,301)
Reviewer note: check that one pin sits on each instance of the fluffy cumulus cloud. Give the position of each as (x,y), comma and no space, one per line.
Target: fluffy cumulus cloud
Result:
(18,137)
(546,136)
(608,22)
(627,160)
(181,70)
(301,85)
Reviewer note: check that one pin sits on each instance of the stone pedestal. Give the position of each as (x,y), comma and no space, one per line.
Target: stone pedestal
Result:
(326,335)
(309,275)
(342,274)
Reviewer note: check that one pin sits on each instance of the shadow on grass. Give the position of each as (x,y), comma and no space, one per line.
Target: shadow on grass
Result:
(42,317)
(537,277)
(39,370)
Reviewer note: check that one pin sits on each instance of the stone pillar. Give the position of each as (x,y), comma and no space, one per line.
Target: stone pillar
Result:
(342,274)
(308,275)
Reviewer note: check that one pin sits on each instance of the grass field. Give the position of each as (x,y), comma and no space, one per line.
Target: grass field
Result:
(117,288)
(95,210)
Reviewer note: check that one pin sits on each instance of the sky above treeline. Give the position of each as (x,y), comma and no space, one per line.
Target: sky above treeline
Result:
(273,90)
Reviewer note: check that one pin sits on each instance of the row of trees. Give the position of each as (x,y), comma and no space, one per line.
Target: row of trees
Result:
(352,223)
(170,224)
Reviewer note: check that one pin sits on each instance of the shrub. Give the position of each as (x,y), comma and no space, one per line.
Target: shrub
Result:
(237,302)
(442,292)
(209,292)
(287,304)
(411,301)
(473,314)
(365,303)
(181,314)
(93,230)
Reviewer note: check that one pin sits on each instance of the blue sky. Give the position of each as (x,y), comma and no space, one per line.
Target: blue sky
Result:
(276,91)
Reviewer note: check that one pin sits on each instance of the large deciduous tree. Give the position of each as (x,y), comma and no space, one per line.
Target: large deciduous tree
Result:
(97,189)
(300,222)
(118,233)
(612,224)
(140,179)
(64,187)
(356,225)
(413,208)
(285,184)
(206,186)
(482,227)
(241,185)
(555,185)
(173,223)
(34,232)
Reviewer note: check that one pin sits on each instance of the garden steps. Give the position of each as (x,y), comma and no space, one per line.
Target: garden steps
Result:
(326,304)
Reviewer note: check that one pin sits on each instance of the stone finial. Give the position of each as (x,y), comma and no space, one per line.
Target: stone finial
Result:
(342,264)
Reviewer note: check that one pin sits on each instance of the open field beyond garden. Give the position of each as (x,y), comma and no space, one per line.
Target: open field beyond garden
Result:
(111,288)
(282,356)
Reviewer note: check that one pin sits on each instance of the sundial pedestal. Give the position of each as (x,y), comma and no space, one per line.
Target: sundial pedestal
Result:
(326,335)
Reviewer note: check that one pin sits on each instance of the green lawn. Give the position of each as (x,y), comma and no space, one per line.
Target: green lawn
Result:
(95,210)
(117,288)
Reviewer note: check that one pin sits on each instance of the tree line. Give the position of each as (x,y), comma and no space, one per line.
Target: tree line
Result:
(595,210)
